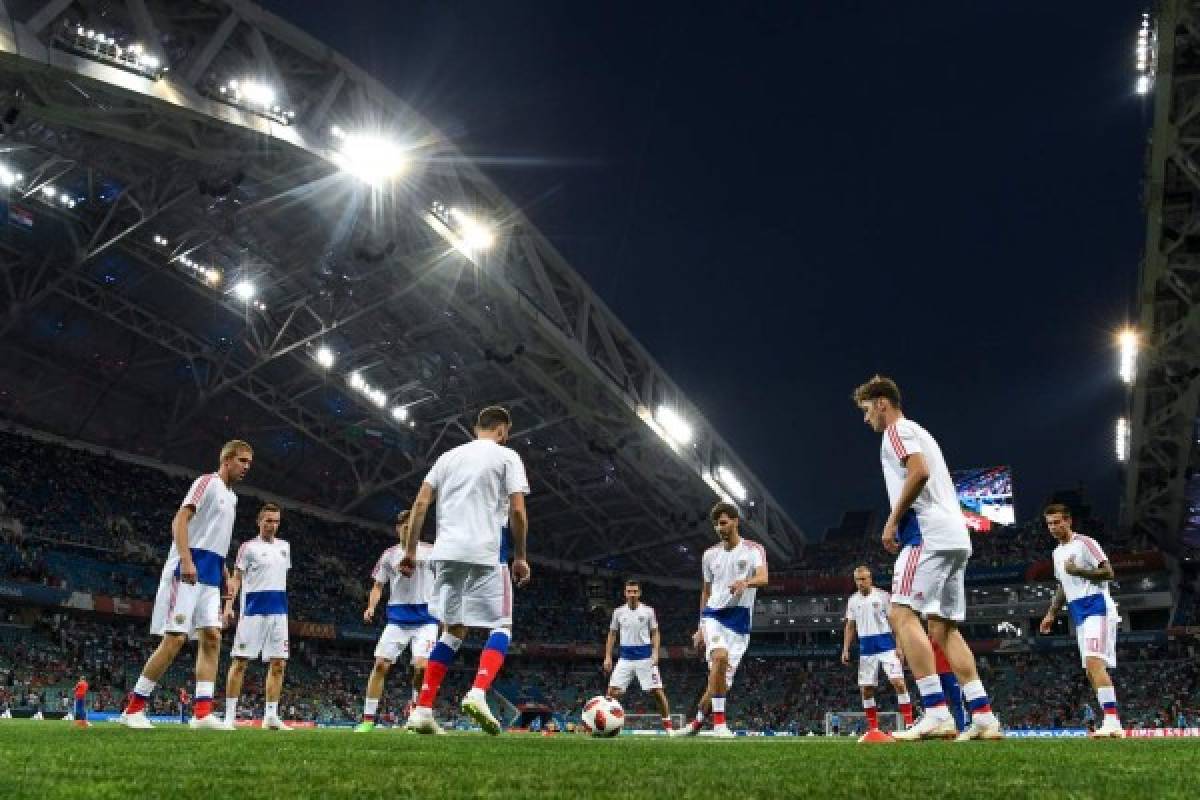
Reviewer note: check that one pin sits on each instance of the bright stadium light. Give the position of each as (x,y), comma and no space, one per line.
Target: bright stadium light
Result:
(378,397)
(259,94)
(474,235)
(1127,342)
(673,425)
(731,483)
(372,159)
(7,176)
(1145,55)
(325,357)
(244,290)
(357,381)
(212,276)
(400,413)
(1122,439)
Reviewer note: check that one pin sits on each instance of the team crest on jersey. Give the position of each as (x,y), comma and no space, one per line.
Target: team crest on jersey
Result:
(179,619)
(741,564)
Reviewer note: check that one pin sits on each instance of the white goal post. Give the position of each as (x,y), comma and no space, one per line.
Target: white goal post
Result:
(650,723)
(853,723)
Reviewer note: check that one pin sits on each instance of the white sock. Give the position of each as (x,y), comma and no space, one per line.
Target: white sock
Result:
(868,702)
(272,710)
(903,699)
(930,687)
(451,641)
(204,690)
(231,708)
(415,694)
(974,691)
(718,704)
(1107,695)
(370,706)
(144,686)
(699,720)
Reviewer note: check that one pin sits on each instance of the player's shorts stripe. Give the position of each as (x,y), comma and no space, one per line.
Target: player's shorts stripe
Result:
(897,444)
(174,595)
(910,570)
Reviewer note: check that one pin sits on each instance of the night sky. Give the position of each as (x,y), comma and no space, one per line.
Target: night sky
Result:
(782,199)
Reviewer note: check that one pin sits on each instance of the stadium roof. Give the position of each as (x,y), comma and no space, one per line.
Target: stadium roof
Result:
(217,226)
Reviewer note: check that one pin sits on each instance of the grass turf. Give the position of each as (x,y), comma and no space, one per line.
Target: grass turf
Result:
(53,759)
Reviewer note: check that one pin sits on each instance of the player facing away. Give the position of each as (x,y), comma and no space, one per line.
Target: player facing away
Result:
(867,618)
(409,621)
(927,529)
(480,489)
(260,573)
(80,712)
(1083,573)
(188,603)
(636,626)
(732,570)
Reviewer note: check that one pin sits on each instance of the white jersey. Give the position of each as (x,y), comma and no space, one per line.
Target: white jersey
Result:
(935,520)
(264,566)
(474,482)
(210,530)
(721,568)
(635,626)
(1085,598)
(870,615)
(408,596)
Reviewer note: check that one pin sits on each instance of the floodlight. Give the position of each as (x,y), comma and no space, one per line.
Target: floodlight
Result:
(1127,341)
(7,176)
(325,357)
(356,381)
(474,235)
(212,276)
(400,413)
(244,290)
(673,425)
(731,483)
(148,61)
(49,190)
(372,159)
(378,397)
(1122,439)
(258,93)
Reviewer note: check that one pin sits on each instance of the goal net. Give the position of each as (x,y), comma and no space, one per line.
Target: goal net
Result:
(854,723)
(650,723)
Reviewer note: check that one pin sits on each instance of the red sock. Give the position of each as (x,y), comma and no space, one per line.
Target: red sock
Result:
(718,718)
(666,723)
(435,672)
(136,704)
(906,710)
(873,718)
(203,708)
(490,662)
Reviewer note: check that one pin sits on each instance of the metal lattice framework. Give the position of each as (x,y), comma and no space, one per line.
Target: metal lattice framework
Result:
(1166,394)
(110,331)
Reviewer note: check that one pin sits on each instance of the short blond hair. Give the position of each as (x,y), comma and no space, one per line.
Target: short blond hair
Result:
(233,447)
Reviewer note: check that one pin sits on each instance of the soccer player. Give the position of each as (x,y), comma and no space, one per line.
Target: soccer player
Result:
(479,486)
(733,571)
(867,618)
(260,573)
(409,623)
(637,626)
(81,690)
(1083,573)
(927,529)
(185,700)
(188,603)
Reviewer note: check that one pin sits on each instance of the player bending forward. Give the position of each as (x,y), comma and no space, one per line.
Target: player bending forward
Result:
(867,617)
(926,527)
(733,570)
(637,626)
(409,623)
(188,603)
(1083,573)
(260,572)
(479,486)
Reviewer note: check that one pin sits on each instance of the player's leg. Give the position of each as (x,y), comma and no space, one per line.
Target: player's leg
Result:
(156,667)
(420,648)
(619,679)
(172,620)
(208,653)
(650,680)
(1098,642)
(950,686)
(447,603)
(869,707)
(233,687)
(894,671)
(374,690)
(916,587)
(487,603)
(664,708)
(274,689)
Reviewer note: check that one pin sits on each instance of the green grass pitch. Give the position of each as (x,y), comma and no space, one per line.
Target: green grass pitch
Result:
(53,759)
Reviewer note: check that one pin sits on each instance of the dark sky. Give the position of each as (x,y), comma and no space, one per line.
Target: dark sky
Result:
(781,199)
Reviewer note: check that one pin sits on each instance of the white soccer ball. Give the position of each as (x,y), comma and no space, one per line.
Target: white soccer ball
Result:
(603,716)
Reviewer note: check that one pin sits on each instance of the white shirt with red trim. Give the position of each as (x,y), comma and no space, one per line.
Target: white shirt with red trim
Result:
(1088,555)
(210,530)
(935,520)
(721,568)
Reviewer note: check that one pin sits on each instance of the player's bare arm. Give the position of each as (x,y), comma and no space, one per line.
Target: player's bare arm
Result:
(755,581)
(655,643)
(914,483)
(179,530)
(518,527)
(372,601)
(1102,572)
(848,640)
(698,636)
(234,583)
(1056,605)
(609,641)
(416,521)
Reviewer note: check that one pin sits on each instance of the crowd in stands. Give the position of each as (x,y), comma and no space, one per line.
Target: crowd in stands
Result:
(77,520)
